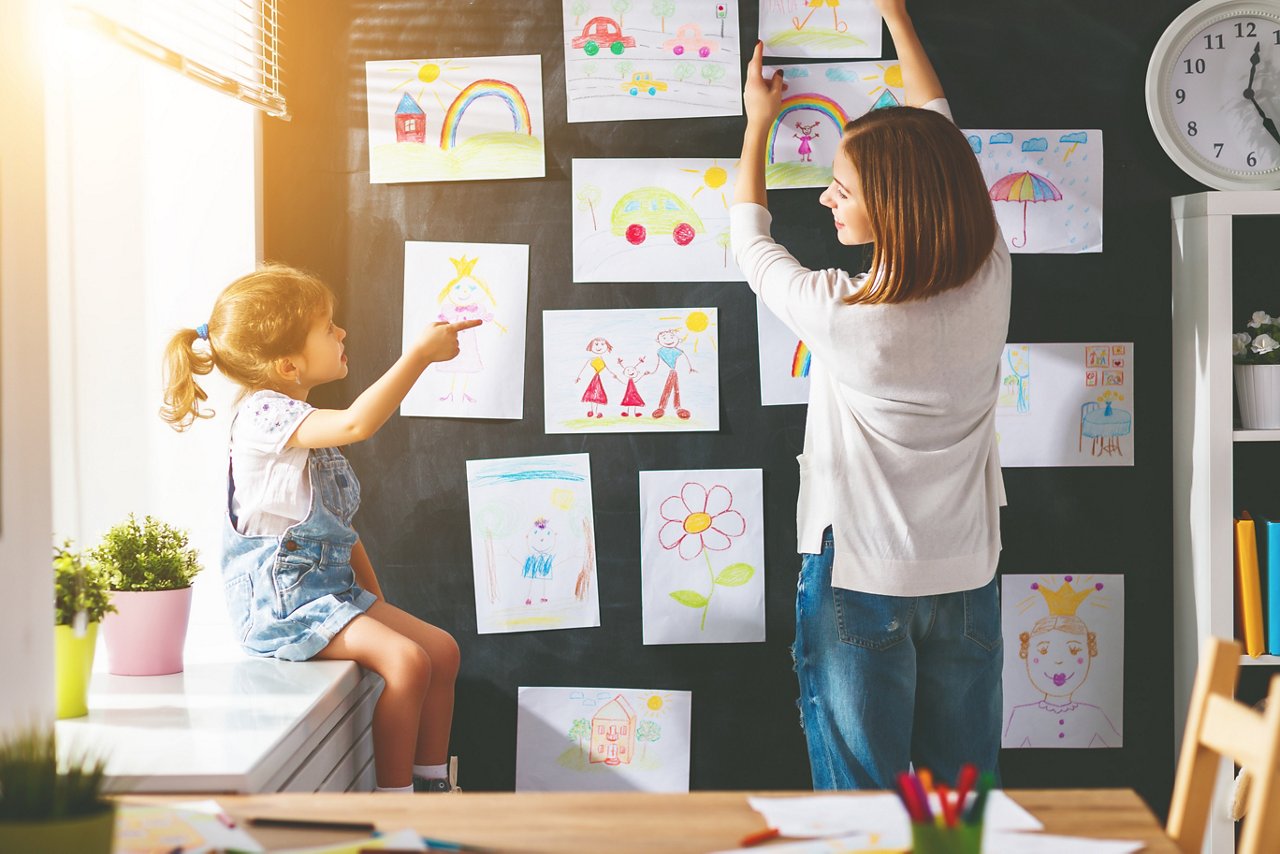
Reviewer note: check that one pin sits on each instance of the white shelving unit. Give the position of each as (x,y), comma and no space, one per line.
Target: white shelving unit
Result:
(1203,439)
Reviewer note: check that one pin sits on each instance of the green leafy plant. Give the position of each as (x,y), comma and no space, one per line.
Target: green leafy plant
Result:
(1260,343)
(147,555)
(79,585)
(35,786)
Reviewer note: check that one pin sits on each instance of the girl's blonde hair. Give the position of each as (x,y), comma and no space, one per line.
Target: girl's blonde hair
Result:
(256,320)
(926,201)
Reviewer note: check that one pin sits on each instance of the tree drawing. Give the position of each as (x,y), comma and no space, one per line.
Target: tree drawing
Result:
(580,730)
(647,731)
(588,198)
(711,73)
(684,71)
(723,240)
(624,68)
(578,7)
(621,7)
(662,9)
(589,69)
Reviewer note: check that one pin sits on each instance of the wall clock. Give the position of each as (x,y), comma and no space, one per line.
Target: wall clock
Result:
(1213,93)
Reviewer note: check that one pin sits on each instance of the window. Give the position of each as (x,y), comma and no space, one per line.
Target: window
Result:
(410,124)
(670,205)
(631,207)
(228,45)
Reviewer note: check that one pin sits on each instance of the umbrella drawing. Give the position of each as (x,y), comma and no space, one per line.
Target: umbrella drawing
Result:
(1024,187)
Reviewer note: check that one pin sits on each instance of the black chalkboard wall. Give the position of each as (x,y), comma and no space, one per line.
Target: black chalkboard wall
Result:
(1004,63)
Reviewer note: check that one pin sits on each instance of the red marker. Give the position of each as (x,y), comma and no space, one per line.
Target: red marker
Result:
(758,837)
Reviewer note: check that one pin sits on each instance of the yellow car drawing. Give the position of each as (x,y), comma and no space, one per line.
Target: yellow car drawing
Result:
(642,81)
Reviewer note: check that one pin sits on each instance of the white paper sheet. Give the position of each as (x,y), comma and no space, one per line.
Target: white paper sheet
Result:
(691,521)
(458,119)
(820,99)
(653,220)
(1063,687)
(464,281)
(784,361)
(1046,186)
(195,826)
(820,28)
(644,370)
(533,550)
(652,60)
(602,740)
(1066,405)
(881,813)
(1044,843)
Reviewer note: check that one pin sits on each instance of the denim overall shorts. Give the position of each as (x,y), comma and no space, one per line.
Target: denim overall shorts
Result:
(288,595)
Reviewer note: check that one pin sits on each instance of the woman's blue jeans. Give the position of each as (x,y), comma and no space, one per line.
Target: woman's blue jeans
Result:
(890,680)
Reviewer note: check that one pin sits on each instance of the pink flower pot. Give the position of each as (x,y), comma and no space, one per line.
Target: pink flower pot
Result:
(147,632)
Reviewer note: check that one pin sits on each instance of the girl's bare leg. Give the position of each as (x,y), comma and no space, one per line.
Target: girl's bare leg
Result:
(436,710)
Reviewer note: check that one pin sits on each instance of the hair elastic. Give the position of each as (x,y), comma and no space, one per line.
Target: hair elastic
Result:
(202,331)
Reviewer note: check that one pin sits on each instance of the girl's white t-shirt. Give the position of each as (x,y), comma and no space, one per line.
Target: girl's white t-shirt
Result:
(272,486)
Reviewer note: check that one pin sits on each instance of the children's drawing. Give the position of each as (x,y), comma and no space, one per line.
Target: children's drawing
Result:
(1015,379)
(1063,660)
(451,282)
(691,520)
(653,220)
(820,100)
(461,119)
(820,28)
(533,543)
(602,739)
(784,361)
(631,370)
(1082,412)
(662,59)
(1046,186)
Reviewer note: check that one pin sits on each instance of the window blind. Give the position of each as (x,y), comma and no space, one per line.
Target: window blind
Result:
(229,45)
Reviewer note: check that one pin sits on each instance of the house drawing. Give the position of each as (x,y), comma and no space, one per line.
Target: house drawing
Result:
(411,121)
(613,733)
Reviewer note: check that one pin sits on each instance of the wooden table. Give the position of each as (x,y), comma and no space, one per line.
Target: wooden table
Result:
(610,822)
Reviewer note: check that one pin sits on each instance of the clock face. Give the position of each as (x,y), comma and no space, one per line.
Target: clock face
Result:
(1222,96)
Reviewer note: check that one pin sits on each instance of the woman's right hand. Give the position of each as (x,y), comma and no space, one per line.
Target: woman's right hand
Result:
(761,97)
(439,341)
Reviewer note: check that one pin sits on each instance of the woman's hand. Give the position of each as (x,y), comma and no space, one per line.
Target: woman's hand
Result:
(763,97)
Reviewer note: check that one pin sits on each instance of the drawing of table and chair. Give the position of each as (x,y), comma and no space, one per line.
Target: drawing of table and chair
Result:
(1104,425)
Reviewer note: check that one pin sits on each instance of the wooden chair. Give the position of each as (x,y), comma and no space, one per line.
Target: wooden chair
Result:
(1218,726)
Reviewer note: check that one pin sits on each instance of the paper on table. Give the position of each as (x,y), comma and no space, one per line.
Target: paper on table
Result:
(834,815)
(1041,843)
(858,843)
(193,826)
(401,840)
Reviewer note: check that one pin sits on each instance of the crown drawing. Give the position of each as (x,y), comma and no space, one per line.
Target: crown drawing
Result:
(1064,601)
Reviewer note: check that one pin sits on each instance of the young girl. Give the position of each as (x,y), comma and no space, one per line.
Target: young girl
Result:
(898,649)
(298,581)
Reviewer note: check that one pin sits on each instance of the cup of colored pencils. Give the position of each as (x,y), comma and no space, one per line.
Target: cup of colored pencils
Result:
(945,820)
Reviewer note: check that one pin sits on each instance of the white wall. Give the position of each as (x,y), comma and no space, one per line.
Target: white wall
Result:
(153,211)
(26,636)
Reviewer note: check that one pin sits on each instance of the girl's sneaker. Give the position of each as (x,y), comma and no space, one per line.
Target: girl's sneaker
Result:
(421,784)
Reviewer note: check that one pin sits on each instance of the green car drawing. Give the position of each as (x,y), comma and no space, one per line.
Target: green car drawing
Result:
(654,209)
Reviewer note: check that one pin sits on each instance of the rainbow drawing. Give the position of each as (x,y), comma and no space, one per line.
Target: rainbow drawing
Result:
(800,361)
(484,89)
(808,101)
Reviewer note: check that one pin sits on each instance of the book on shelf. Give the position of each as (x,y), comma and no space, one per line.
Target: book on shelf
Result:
(1269,576)
(1249,623)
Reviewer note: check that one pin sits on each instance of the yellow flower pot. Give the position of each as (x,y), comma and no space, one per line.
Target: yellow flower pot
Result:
(73,664)
(89,834)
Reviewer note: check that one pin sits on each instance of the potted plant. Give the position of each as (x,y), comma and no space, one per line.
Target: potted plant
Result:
(80,601)
(149,567)
(52,807)
(1256,353)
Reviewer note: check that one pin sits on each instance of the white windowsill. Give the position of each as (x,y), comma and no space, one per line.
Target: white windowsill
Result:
(228,723)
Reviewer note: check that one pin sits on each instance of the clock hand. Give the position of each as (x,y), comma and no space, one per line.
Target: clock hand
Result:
(1267,124)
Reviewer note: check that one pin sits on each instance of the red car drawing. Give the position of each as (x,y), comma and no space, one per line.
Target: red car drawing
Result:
(688,39)
(600,32)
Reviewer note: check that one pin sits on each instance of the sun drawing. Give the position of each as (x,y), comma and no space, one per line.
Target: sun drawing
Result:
(714,178)
(696,325)
(426,74)
(655,705)
(890,77)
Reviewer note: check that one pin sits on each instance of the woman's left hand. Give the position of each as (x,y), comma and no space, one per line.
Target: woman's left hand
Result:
(762,97)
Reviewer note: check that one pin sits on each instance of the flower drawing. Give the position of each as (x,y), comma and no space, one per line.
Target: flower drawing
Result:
(699,521)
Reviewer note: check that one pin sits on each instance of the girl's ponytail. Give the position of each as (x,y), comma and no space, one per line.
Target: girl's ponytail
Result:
(182,395)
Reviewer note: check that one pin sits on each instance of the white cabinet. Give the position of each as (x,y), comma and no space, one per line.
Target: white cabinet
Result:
(1203,439)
